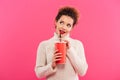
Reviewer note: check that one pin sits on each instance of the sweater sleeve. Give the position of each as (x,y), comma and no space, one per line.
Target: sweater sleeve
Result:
(42,69)
(77,58)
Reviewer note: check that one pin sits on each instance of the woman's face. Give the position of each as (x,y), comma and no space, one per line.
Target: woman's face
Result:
(64,25)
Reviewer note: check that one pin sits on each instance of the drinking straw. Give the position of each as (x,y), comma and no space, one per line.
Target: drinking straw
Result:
(60,37)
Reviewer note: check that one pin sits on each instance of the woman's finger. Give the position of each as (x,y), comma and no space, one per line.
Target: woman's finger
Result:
(67,43)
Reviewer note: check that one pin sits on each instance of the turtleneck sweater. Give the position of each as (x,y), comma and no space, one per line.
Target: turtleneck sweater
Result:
(75,60)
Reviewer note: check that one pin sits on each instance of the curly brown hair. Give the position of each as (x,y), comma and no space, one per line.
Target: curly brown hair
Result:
(68,11)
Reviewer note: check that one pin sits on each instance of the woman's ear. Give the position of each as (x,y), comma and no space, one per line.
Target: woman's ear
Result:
(55,23)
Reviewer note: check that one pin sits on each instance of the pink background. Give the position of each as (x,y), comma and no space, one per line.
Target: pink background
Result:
(24,23)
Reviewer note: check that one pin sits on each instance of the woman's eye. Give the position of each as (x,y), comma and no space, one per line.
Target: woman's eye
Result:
(68,25)
(61,22)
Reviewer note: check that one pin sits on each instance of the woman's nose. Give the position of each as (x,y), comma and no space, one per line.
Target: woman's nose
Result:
(64,27)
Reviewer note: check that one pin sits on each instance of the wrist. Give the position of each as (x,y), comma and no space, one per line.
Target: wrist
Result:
(53,65)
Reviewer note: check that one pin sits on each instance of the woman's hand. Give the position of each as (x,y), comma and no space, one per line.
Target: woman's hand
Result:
(67,44)
(56,57)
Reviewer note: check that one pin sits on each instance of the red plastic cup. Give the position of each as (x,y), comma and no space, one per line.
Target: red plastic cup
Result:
(61,47)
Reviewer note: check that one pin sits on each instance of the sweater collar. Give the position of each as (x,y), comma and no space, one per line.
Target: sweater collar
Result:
(64,38)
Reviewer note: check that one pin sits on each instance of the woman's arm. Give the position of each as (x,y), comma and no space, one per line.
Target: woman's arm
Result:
(42,69)
(77,58)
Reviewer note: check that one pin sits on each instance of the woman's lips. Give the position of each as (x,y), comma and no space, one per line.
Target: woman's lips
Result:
(61,31)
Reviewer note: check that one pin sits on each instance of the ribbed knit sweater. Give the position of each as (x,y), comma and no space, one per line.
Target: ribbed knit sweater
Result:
(75,60)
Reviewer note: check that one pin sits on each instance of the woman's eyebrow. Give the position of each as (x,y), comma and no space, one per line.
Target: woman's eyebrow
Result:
(69,24)
(61,21)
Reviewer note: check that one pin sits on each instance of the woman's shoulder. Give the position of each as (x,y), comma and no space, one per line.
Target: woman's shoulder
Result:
(76,41)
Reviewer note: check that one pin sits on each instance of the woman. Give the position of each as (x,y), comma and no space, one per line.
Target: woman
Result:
(47,56)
